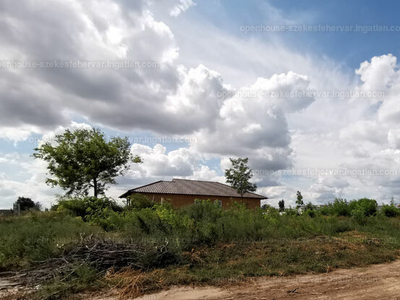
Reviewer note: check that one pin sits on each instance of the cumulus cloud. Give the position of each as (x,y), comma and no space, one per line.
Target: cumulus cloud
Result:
(358,138)
(158,163)
(327,189)
(17,134)
(253,122)
(169,99)
(378,74)
(273,120)
(197,101)
(26,178)
(92,35)
(364,130)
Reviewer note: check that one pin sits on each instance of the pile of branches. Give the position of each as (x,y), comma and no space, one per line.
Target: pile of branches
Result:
(101,255)
(104,255)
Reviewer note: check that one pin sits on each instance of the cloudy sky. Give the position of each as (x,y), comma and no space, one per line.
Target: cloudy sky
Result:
(307,90)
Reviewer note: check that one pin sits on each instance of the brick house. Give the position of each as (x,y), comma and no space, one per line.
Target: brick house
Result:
(181,192)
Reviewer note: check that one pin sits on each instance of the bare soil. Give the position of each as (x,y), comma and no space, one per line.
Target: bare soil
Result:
(373,282)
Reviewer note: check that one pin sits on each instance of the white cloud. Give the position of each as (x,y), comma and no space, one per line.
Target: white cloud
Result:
(180,7)
(378,74)
(43,95)
(158,163)
(17,134)
(197,101)
(49,137)
(190,94)
(253,123)
(33,186)
(369,131)
(394,138)
(205,173)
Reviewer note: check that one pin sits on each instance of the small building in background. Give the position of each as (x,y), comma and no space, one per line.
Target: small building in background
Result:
(6,212)
(182,192)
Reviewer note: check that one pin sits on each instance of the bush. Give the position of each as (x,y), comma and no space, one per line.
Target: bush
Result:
(339,207)
(311,213)
(87,206)
(291,211)
(203,211)
(139,201)
(368,206)
(97,211)
(390,211)
(359,214)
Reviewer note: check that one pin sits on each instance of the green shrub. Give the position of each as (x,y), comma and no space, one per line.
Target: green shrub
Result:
(368,206)
(311,213)
(390,211)
(106,218)
(88,206)
(310,206)
(203,211)
(291,211)
(140,201)
(339,207)
(359,214)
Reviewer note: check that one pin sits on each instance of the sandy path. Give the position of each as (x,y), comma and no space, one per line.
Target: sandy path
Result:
(374,282)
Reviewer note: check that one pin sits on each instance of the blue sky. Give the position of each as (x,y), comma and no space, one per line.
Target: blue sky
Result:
(175,115)
(350,48)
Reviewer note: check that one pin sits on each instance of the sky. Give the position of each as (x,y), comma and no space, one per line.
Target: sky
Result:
(307,90)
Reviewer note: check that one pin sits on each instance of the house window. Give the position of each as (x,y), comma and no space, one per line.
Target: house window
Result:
(219,202)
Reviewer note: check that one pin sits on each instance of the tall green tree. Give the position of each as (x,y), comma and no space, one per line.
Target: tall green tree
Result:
(83,159)
(281,205)
(25,204)
(239,176)
(299,201)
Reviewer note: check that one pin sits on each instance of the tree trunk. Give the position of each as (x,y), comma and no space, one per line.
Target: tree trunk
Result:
(95,187)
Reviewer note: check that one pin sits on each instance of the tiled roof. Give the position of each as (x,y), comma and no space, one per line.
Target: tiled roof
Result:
(190,187)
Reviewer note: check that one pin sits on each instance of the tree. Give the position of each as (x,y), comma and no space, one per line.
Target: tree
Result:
(239,175)
(265,206)
(81,160)
(25,204)
(299,201)
(281,205)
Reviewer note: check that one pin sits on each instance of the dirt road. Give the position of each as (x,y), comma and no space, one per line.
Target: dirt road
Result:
(374,282)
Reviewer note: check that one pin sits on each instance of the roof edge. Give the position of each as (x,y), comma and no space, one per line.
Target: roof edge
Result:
(126,194)
(131,191)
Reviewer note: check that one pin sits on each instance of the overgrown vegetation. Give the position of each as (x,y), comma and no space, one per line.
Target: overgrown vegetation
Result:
(96,242)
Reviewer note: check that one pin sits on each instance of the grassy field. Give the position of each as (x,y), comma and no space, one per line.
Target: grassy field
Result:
(95,244)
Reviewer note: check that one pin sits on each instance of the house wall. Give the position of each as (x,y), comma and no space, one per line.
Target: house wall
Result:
(183,200)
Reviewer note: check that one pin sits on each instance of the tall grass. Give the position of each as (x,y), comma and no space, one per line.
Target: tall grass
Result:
(203,243)
(39,236)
